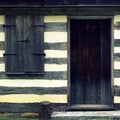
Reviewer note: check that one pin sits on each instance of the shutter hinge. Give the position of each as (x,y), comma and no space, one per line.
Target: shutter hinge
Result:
(6,54)
(39,54)
(27,41)
(9,25)
(38,25)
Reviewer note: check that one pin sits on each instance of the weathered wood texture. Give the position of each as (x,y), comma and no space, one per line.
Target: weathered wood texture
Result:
(117,25)
(117,42)
(47,60)
(24,44)
(1,60)
(33,107)
(45,111)
(56,46)
(116,73)
(84,11)
(28,107)
(90,81)
(33,90)
(49,27)
(41,3)
(58,27)
(80,2)
(117,90)
(2,45)
(117,56)
(1,28)
(11,48)
(117,106)
(48,46)
(56,60)
(47,75)
(55,27)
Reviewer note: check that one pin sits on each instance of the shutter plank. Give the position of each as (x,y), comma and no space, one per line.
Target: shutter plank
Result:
(21,45)
(36,46)
(27,45)
(11,53)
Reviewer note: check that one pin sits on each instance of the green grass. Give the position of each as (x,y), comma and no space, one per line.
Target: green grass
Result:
(93,118)
(15,118)
(18,116)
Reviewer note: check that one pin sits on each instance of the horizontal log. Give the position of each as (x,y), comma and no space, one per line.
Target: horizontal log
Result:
(56,46)
(2,45)
(117,91)
(56,60)
(32,90)
(116,73)
(28,107)
(47,75)
(1,28)
(34,107)
(117,43)
(117,56)
(47,60)
(1,60)
(83,10)
(59,2)
(117,106)
(58,27)
(117,26)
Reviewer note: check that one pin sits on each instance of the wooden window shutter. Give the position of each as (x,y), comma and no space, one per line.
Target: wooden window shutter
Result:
(12,55)
(24,44)
(35,47)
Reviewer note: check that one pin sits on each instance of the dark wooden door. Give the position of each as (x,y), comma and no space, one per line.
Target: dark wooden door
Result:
(90,64)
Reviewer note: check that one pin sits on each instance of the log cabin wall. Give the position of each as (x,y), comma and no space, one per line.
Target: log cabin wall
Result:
(24,93)
(28,91)
(116,59)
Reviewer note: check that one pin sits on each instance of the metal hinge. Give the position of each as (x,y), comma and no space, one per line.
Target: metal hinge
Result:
(6,54)
(27,41)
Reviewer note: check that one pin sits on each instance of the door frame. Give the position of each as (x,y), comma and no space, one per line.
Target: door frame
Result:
(112,53)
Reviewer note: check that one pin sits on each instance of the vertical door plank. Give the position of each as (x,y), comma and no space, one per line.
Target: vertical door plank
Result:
(106,96)
(90,62)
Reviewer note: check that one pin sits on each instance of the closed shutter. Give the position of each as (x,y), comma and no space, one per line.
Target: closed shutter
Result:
(35,47)
(24,44)
(12,53)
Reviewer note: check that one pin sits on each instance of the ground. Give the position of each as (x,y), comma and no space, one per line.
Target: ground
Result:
(18,116)
(34,116)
